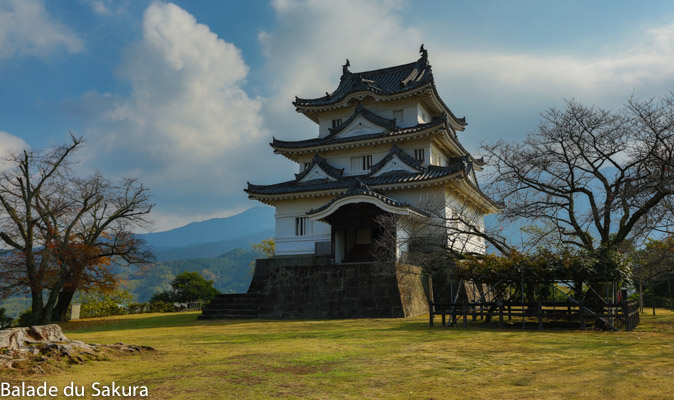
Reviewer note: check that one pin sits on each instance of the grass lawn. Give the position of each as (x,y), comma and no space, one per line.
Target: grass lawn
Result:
(372,358)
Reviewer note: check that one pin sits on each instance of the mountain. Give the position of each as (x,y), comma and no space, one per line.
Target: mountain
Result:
(247,223)
(208,250)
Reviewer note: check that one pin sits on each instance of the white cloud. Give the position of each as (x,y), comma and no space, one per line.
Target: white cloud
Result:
(500,93)
(100,8)
(313,39)
(9,144)
(26,28)
(187,129)
(191,133)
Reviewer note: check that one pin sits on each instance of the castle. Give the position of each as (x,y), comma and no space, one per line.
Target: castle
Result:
(386,142)
(387,145)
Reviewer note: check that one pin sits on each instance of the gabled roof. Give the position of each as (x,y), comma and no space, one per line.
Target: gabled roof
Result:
(385,81)
(392,82)
(331,139)
(459,167)
(359,193)
(323,165)
(360,111)
(429,173)
(401,155)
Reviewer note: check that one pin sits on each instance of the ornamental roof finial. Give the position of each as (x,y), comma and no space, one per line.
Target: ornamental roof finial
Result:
(424,52)
(345,67)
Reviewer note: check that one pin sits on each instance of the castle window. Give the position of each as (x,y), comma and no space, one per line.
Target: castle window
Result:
(398,116)
(336,122)
(420,155)
(361,163)
(301,226)
(435,158)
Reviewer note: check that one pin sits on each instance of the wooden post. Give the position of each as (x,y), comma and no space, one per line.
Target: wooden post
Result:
(641,295)
(510,311)
(443,319)
(465,314)
(581,315)
(626,315)
(500,313)
(431,301)
(669,289)
(523,312)
(539,306)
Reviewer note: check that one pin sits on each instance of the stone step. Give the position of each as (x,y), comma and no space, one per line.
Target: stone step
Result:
(232,306)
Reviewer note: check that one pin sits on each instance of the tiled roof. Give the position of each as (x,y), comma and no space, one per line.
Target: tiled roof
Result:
(329,169)
(334,140)
(384,81)
(389,124)
(428,173)
(362,190)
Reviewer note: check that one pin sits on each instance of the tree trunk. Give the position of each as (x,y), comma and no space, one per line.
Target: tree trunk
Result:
(36,308)
(669,290)
(65,298)
(652,280)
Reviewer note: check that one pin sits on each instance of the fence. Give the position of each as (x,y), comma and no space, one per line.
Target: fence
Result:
(611,316)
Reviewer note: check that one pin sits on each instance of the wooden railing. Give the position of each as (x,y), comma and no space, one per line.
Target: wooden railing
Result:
(612,316)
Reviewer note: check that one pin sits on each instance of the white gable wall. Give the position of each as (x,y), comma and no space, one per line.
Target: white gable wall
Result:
(317,172)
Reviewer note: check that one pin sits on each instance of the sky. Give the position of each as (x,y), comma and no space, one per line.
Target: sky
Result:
(186,96)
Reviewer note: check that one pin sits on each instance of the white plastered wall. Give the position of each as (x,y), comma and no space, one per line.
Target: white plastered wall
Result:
(457,204)
(287,243)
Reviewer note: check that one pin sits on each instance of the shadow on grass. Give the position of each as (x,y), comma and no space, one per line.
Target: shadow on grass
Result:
(144,321)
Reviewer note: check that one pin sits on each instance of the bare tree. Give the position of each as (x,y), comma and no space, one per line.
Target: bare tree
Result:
(63,231)
(591,178)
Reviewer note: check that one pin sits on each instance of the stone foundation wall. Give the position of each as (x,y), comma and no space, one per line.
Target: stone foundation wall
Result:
(343,291)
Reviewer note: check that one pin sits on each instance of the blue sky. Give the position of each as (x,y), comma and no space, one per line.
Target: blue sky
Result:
(186,95)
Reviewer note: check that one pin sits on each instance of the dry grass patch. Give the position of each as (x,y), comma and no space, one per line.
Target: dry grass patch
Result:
(374,358)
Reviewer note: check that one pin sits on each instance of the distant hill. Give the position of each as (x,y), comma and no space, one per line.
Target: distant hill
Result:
(230,272)
(247,223)
(207,250)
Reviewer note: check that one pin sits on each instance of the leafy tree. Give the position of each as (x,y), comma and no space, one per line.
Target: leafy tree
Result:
(187,286)
(655,267)
(5,321)
(101,303)
(266,247)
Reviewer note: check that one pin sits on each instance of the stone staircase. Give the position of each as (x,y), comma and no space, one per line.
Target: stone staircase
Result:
(232,306)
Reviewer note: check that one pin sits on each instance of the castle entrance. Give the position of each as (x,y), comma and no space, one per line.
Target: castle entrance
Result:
(355,231)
